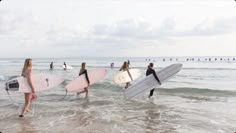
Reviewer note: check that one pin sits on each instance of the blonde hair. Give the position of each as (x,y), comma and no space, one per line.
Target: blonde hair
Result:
(27,65)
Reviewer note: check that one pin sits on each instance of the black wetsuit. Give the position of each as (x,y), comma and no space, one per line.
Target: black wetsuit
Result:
(65,66)
(86,75)
(51,66)
(151,71)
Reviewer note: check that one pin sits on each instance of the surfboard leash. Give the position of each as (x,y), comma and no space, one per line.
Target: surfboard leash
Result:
(12,100)
(19,104)
(64,96)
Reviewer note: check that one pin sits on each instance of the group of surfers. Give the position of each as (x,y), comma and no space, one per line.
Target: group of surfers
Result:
(30,97)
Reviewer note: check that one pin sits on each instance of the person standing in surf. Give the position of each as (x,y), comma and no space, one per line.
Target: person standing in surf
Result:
(150,71)
(51,66)
(112,65)
(29,97)
(65,66)
(84,71)
(128,63)
(125,67)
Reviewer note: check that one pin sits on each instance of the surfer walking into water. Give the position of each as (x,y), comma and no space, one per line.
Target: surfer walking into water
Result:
(65,66)
(112,65)
(128,63)
(51,66)
(150,71)
(29,97)
(84,71)
(125,67)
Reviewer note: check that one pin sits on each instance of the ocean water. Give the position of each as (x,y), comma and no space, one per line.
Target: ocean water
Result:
(201,98)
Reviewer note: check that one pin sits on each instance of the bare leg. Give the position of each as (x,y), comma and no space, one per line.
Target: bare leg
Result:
(86,91)
(78,93)
(27,103)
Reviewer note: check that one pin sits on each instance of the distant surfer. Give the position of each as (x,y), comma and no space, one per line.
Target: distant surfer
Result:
(51,66)
(125,67)
(65,66)
(29,97)
(112,65)
(149,71)
(84,71)
(128,63)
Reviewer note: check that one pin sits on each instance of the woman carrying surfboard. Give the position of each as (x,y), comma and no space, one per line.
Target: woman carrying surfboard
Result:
(125,67)
(29,97)
(84,71)
(150,71)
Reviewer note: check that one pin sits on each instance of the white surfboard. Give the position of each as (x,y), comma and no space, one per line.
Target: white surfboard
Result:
(80,82)
(67,67)
(123,76)
(149,82)
(40,81)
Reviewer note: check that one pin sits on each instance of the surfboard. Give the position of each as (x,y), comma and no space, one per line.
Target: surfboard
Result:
(67,67)
(123,76)
(41,82)
(80,82)
(149,82)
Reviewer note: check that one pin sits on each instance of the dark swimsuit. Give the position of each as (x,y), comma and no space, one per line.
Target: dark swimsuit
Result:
(86,75)
(151,71)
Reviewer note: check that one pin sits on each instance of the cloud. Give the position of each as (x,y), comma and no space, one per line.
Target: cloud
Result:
(142,31)
(132,32)
(73,26)
(133,29)
(216,27)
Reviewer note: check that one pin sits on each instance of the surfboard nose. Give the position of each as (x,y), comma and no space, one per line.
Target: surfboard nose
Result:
(179,65)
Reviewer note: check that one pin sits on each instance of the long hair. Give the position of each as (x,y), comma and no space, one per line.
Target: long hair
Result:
(125,65)
(27,65)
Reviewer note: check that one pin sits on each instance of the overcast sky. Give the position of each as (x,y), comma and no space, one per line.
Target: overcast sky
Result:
(74,28)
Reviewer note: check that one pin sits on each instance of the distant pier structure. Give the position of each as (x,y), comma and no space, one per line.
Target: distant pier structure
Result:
(207,59)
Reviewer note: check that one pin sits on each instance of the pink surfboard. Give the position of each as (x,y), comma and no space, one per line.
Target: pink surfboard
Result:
(80,82)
